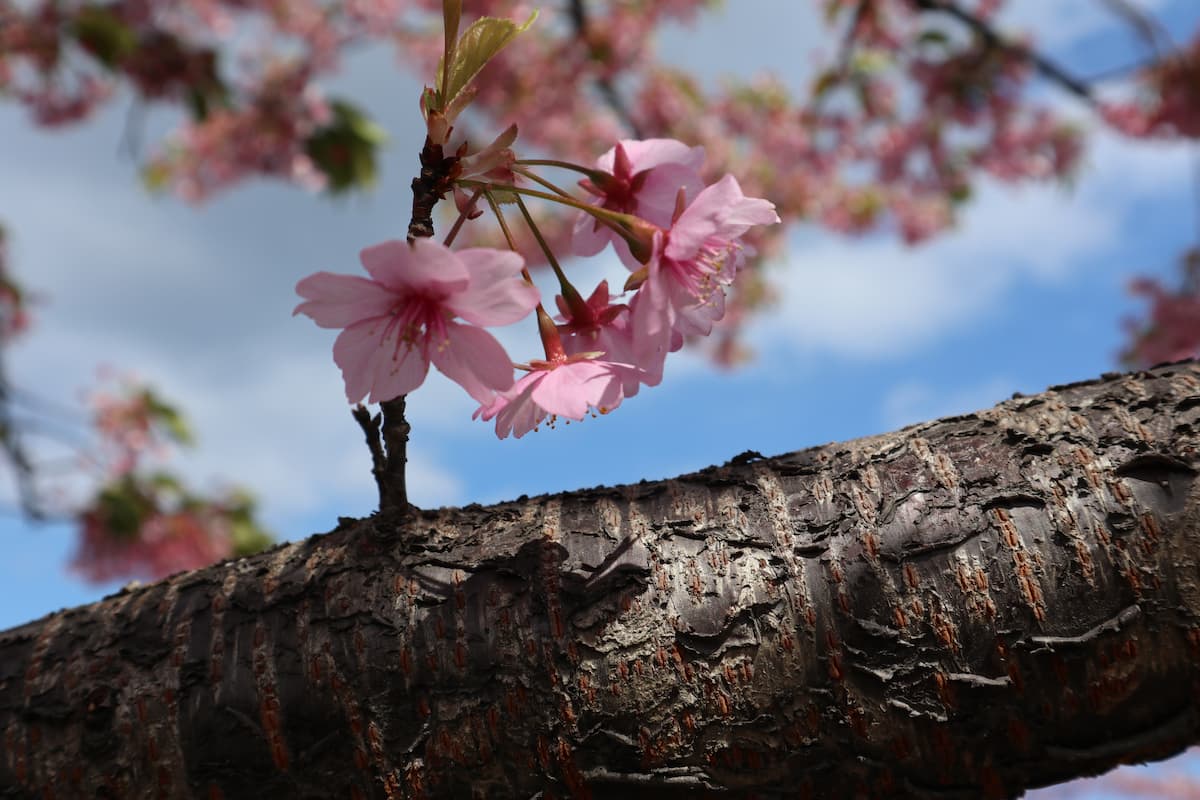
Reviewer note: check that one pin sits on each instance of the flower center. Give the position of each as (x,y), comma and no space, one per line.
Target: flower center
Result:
(417,321)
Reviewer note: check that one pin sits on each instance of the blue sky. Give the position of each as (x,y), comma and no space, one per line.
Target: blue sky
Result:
(868,335)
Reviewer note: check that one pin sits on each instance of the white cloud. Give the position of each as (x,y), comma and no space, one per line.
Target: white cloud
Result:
(279,425)
(875,297)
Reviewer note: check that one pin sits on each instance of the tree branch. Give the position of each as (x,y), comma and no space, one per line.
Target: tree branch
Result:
(965,608)
(577,10)
(370,429)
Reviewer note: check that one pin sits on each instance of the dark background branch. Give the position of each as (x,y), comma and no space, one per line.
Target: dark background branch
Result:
(991,38)
(577,10)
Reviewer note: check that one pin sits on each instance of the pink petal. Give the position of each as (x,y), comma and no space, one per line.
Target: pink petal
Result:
(646,154)
(402,373)
(570,389)
(514,410)
(519,418)
(365,357)
(354,352)
(589,235)
(722,211)
(748,212)
(694,318)
(701,219)
(496,294)
(338,301)
(472,358)
(425,265)
(656,198)
(650,322)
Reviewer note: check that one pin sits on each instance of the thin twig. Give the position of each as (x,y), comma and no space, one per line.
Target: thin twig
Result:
(849,40)
(845,54)
(370,429)
(15,450)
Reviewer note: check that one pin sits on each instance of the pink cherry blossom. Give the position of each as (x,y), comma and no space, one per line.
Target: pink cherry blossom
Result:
(597,325)
(693,261)
(644,179)
(401,318)
(564,387)
(1171,330)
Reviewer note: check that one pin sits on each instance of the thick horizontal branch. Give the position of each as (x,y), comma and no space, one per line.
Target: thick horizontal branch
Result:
(962,609)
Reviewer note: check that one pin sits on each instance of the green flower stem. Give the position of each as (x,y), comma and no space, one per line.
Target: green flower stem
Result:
(533,176)
(613,219)
(594,174)
(537,234)
(508,237)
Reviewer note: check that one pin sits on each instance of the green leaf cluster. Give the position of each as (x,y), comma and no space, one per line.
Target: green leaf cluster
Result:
(465,56)
(102,33)
(346,149)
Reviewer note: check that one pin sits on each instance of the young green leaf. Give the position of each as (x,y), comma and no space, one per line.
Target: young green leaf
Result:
(103,34)
(345,149)
(451,16)
(485,38)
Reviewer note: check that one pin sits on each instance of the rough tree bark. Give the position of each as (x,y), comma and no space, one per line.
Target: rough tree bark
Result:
(963,608)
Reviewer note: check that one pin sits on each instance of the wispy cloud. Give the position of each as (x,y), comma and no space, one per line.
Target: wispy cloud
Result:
(875,298)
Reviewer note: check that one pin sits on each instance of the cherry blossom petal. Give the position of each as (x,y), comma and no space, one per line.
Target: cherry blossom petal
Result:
(497,293)
(657,195)
(646,154)
(721,210)
(336,301)
(651,320)
(371,364)
(474,360)
(402,373)
(697,318)
(590,235)
(570,389)
(425,264)
(514,411)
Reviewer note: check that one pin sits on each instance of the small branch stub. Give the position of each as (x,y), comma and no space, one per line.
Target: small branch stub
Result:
(387,439)
(393,491)
(370,429)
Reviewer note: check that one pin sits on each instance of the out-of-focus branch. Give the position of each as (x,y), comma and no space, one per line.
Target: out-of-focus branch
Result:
(993,39)
(1146,26)
(577,10)
(847,50)
(10,442)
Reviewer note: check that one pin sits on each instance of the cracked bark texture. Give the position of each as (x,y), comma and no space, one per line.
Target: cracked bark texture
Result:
(961,609)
